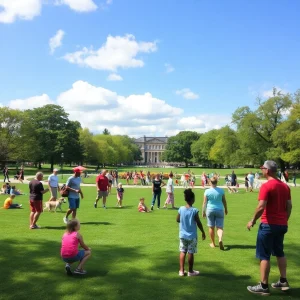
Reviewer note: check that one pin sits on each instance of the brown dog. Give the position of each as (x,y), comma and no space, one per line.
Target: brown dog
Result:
(54,205)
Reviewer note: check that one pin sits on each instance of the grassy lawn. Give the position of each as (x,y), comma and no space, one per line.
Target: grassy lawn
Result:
(135,255)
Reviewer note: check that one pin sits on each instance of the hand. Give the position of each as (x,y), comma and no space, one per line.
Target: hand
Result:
(203,236)
(76,191)
(250,224)
(204,215)
(226,212)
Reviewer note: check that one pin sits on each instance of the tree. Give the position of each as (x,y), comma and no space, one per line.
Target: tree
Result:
(106,132)
(89,145)
(178,148)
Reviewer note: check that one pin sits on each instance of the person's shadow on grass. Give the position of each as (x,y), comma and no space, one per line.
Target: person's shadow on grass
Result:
(229,247)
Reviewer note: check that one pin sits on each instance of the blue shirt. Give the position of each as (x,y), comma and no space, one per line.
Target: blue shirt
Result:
(73,183)
(251,177)
(187,225)
(214,198)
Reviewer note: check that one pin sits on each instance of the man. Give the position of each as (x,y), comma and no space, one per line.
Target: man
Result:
(5,174)
(274,208)
(102,185)
(256,181)
(53,185)
(251,181)
(36,191)
(73,185)
(233,179)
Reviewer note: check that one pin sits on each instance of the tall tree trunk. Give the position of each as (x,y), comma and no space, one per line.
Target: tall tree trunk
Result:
(52,163)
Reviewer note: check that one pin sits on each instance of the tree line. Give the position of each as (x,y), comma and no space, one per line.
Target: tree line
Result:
(271,131)
(46,134)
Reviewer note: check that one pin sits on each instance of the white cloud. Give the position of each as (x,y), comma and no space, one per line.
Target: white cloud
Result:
(114,77)
(97,108)
(269,93)
(79,5)
(117,52)
(32,102)
(108,2)
(187,94)
(56,41)
(169,68)
(11,10)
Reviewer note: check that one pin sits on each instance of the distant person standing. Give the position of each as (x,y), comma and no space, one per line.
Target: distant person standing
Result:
(256,180)
(21,174)
(73,185)
(157,184)
(5,174)
(274,208)
(233,179)
(294,178)
(36,191)
(53,185)
(251,181)
(102,184)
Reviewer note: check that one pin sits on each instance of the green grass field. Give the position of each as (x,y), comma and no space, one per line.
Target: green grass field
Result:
(135,255)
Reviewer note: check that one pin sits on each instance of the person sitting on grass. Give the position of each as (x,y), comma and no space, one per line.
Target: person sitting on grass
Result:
(14,191)
(142,206)
(3,189)
(69,248)
(120,192)
(188,217)
(8,203)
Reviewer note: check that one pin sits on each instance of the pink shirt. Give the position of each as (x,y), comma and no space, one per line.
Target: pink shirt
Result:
(69,245)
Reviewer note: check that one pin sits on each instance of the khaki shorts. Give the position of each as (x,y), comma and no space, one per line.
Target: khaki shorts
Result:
(101,194)
(53,191)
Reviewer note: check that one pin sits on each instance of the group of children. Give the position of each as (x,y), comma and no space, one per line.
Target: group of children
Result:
(12,192)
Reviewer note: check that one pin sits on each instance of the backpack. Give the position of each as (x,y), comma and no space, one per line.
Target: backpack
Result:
(64,192)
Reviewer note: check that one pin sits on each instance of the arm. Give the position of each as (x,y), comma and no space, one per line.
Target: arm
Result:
(225,204)
(162,184)
(289,208)
(178,218)
(257,214)
(152,188)
(199,224)
(204,207)
(81,194)
(81,242)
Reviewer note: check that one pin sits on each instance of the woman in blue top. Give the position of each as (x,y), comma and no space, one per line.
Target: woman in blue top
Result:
(214,204)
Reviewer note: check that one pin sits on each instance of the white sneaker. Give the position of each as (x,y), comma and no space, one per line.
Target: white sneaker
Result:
(65,219)
(194,273)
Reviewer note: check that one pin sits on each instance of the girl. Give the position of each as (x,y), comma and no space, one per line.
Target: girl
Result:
(142,207)
(69,248)
(120,192)
(188,217)
(170,191)
(135,178)
(157,184)
(246,183)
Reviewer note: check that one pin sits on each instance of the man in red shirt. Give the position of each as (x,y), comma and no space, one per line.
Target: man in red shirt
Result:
(274,208)
(102,185)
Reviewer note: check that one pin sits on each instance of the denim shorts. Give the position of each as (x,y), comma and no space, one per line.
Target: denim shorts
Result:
(215,218)
(73,203)
(78,257)
(270,241)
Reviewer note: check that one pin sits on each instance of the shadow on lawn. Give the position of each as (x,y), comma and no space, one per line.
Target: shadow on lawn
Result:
(229,247)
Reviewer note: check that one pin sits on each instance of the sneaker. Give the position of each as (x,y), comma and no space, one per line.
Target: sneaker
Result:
(158,208)
(65,219)
(181,274)
(95,205)
(35,227)
(68,270)
(104,206)
(81,272)
(284,286)
(20,205)
(194,273)
(258,289)
(151,207)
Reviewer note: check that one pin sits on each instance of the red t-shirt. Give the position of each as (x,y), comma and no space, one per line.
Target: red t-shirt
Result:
(102,182)
(276,193)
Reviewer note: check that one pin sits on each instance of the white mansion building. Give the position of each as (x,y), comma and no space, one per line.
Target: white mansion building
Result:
(152,148)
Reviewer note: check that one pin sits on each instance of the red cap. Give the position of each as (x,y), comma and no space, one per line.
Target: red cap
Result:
(77,170)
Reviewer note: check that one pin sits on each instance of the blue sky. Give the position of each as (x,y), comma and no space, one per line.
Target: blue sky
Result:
(220,55)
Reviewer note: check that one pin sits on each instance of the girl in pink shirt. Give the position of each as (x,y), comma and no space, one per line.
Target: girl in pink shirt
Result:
(69,248)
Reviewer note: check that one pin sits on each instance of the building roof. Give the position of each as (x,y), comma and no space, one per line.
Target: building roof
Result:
(142,139)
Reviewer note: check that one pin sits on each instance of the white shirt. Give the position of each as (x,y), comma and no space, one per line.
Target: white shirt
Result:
(53,180)
(170,186)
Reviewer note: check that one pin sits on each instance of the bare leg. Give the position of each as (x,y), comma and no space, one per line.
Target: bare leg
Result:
(74,211)
(220,233)
(104,200)
(191,262)
(264,271)
(69,212)
(36,217)
(212,236)
(120,203)
(31,217)
(87,255)
(281,262)
(182,261)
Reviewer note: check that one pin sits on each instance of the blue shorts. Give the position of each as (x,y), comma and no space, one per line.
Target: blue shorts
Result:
(270,241)
(78,257)
(73,203)
(215,218)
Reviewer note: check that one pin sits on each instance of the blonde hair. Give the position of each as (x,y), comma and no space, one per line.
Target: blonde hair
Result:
(214,179)
(71,225)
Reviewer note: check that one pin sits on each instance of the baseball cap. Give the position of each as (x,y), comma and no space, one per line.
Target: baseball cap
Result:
(270,165)
(55,170)
(77,170)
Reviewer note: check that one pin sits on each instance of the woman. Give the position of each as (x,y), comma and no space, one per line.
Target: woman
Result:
(170,192)
(246,183)
(157,184)
(214,204)
(21,175)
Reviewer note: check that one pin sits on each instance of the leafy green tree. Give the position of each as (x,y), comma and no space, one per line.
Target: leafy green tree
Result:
(106,132)
(178,148)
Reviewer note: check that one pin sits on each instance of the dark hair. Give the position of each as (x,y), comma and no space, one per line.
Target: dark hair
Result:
(13,187)
(189,195)
(71,225)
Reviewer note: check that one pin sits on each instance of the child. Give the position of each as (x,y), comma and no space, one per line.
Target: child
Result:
(14,191)
(120,192)
(142,207)
(188,217)
(69,248)
(8,203)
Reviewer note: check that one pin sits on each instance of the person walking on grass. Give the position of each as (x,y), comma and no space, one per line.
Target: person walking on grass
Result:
(36,192)
(5,174)
(213,208)
(274,208)
(120,192)
(157,184)
(53,185)
(170,192)
(69,248)
(251,181)
(188,219)
(102,184)
(73,185)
